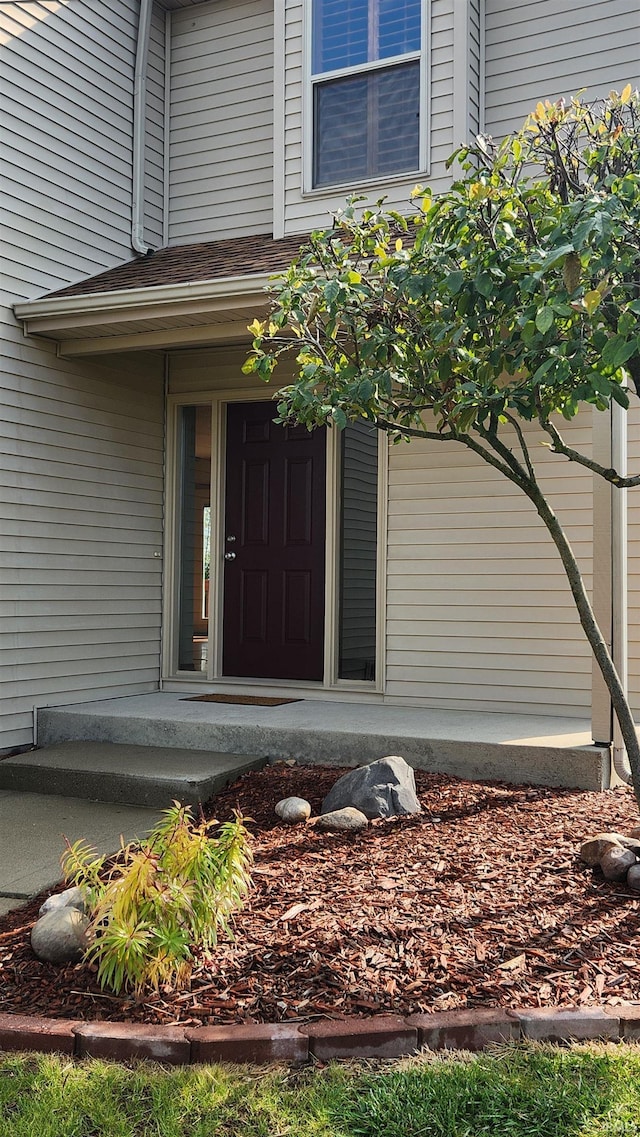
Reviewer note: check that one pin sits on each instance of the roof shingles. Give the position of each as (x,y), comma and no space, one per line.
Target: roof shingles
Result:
(181,264)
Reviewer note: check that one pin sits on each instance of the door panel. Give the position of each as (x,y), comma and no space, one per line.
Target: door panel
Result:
(275,533)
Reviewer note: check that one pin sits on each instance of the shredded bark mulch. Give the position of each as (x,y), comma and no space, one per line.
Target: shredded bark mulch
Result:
(479,901)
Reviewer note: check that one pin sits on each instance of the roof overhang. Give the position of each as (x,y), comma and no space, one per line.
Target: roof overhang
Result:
(189,314)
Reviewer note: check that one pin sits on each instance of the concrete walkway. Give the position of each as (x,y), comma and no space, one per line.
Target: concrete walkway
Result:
(32,831)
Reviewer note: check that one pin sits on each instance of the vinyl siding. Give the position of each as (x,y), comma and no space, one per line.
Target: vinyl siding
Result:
(81,480)
(555,48)
(221,127)
(66,79)
(479,614)
(154,148)
(303,211)
(633,514)
(476,66)
(81,445)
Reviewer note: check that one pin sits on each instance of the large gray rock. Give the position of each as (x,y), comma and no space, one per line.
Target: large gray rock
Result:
(342,820)
(60,936)
(384,788)
(615,863)
(70,898)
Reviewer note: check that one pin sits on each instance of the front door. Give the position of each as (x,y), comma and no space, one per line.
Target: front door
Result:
(274,546)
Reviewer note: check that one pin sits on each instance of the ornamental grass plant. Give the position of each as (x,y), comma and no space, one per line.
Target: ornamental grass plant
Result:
(164,899)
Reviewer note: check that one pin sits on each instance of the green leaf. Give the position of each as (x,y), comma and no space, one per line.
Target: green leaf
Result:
(618,350)
(454,282)
(544,319)
(624,352)
(620,395)
(484,284)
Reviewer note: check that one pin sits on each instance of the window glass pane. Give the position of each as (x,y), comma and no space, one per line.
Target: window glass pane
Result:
(367,125)
(398,27)
(340,134)
(396,97)
(340,34)
(358,552)
(194,442)
(347,33)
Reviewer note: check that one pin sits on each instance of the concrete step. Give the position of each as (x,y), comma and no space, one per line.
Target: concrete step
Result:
(543,749)
(152,776)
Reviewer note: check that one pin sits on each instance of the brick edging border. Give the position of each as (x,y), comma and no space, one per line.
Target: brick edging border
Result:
(384,1036)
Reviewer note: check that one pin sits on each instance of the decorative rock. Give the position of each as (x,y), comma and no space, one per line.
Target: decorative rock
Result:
(384,788)
(615,863)
(292,809)
(633,878)
(70,898)
(592,850)
(60,936)
(342,819)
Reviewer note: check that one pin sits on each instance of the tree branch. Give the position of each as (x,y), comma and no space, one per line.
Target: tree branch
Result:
(609,474)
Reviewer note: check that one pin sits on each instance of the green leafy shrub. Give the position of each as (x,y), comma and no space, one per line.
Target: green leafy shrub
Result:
(165,897)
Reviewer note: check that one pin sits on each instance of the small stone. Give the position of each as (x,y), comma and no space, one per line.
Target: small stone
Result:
(60,936)
(384,788)
(615,863)
(591,851)
(633,878)
(342,819)
(70,898)
(293,809)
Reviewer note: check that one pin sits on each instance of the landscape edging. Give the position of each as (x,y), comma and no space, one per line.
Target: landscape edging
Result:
(382,1036)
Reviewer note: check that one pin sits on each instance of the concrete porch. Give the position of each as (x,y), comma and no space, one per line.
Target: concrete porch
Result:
(517,748)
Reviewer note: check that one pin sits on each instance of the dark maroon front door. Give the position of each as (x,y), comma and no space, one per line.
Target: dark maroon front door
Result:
(274,546)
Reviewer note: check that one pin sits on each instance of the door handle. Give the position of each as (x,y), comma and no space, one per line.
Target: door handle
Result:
(229,556)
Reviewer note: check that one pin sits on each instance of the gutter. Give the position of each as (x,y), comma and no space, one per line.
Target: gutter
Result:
(139,129)
(158,296)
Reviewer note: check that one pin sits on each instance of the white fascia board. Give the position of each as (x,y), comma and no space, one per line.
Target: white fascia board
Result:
(128,300)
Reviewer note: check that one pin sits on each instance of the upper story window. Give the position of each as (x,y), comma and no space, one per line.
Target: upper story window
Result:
(366,89)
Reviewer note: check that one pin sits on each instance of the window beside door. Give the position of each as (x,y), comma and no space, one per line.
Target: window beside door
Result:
(194,535)
(358,552)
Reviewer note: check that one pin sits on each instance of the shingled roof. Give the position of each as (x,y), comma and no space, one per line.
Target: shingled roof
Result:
(180,264)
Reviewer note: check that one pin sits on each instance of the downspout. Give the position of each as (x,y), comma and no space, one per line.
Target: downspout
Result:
(620,579)
(139,129)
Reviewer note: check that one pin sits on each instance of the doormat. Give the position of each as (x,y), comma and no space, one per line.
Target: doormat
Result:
(242,700)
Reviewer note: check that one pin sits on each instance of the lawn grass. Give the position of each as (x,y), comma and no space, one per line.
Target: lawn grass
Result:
(528,1091)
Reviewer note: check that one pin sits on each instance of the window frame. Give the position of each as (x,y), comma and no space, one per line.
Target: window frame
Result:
(311,80)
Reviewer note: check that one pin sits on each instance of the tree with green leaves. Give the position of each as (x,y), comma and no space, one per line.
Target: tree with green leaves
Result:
(511,298)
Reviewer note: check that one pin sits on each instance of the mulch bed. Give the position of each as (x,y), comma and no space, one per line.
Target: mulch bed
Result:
(479,901)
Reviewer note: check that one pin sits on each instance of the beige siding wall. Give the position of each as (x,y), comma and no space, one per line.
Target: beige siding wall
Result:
(154,149)
(66,164)
(81,444)
(304,211)
(221,163)
(479,613)
(554,48)
(633,507)
(476,64)
(80,522)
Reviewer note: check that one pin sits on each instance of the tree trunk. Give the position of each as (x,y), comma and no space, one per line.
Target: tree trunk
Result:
(591,631)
